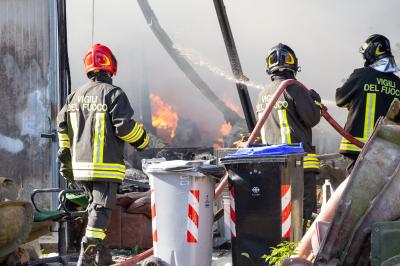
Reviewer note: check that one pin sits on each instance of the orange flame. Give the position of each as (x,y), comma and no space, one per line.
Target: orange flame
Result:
(227,98)
(217,146)
(233,107)
(225,129)
(164,117)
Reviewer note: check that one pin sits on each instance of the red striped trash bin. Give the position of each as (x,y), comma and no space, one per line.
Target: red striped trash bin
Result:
(266,200)
(182,201)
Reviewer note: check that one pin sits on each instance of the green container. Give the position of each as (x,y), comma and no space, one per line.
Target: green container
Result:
(385,248)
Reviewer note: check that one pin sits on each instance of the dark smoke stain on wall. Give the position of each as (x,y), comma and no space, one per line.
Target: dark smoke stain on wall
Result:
(25,93)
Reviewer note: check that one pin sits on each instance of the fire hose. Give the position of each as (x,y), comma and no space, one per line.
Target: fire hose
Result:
(256,131)
(324,113)
(254,134)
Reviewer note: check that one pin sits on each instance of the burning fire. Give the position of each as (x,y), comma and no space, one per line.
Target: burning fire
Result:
(164,118)
(234,107)
(225,129)
(217,146)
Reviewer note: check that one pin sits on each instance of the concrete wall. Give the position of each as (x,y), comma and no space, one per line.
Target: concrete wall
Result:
(25,92)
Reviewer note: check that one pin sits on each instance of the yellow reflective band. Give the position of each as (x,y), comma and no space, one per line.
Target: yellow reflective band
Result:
(99,166)
(369,119)
(95,229)
(89,247)
(311,166)
(102,137)
(346,141)
(130,134)
(74,124)
(63,136)
(95,233)
(284,126)
(145,142)
(63,140)
(98,174)
(137,136)
(98,143)
(289,139)
(311,163)
(349,147)
(64,144)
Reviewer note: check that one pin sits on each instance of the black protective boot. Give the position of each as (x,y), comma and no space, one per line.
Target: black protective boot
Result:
(87,256)
(103,256)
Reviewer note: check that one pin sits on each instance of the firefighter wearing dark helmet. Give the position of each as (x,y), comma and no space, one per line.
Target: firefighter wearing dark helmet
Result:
(92,129)
(368,93)
(293,117)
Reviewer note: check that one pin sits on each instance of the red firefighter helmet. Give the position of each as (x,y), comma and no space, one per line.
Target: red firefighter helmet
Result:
(100,57)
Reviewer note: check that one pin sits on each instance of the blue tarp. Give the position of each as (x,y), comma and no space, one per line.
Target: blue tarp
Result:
(272,150)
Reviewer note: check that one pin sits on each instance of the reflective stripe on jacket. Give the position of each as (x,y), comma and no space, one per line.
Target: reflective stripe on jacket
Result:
(293,116)
(367,94)
(92,128)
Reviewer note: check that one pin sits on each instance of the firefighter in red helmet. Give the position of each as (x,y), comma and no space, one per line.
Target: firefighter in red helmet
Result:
(92,129)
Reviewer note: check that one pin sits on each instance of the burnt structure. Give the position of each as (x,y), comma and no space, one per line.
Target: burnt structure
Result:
(27,92)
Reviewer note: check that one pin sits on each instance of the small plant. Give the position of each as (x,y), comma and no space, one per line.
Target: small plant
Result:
(280,252)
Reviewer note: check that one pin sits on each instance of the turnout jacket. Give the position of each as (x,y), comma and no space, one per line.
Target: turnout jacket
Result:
(92,128)
(291,120)
(367,94)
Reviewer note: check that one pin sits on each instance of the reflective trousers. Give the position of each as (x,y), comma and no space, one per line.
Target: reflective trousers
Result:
(102,199)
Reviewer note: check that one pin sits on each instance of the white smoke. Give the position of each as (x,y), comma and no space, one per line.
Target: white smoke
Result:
(195,58)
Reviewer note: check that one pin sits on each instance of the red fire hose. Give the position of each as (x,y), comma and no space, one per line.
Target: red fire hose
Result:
(267,111)
(252,138)
(136,259)
(324,112)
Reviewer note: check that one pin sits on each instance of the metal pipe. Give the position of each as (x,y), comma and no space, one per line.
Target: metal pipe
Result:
(235,64)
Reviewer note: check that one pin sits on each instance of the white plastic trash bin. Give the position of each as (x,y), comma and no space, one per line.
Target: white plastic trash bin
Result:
(227,217)
(182,212)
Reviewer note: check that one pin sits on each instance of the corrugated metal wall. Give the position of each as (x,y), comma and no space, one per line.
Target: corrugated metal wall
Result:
(25,92)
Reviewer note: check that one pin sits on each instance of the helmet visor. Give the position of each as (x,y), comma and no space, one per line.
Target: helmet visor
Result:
(88,61)
(287,57)
(272,59)
(102,59)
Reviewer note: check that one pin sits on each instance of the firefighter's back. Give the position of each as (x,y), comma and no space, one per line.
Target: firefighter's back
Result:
(97,153)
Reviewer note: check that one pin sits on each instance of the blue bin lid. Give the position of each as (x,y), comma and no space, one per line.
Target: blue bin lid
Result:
(265,151)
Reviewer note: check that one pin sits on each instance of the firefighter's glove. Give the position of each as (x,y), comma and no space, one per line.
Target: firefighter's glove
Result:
(315,96)
(67,173)
(243,140)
